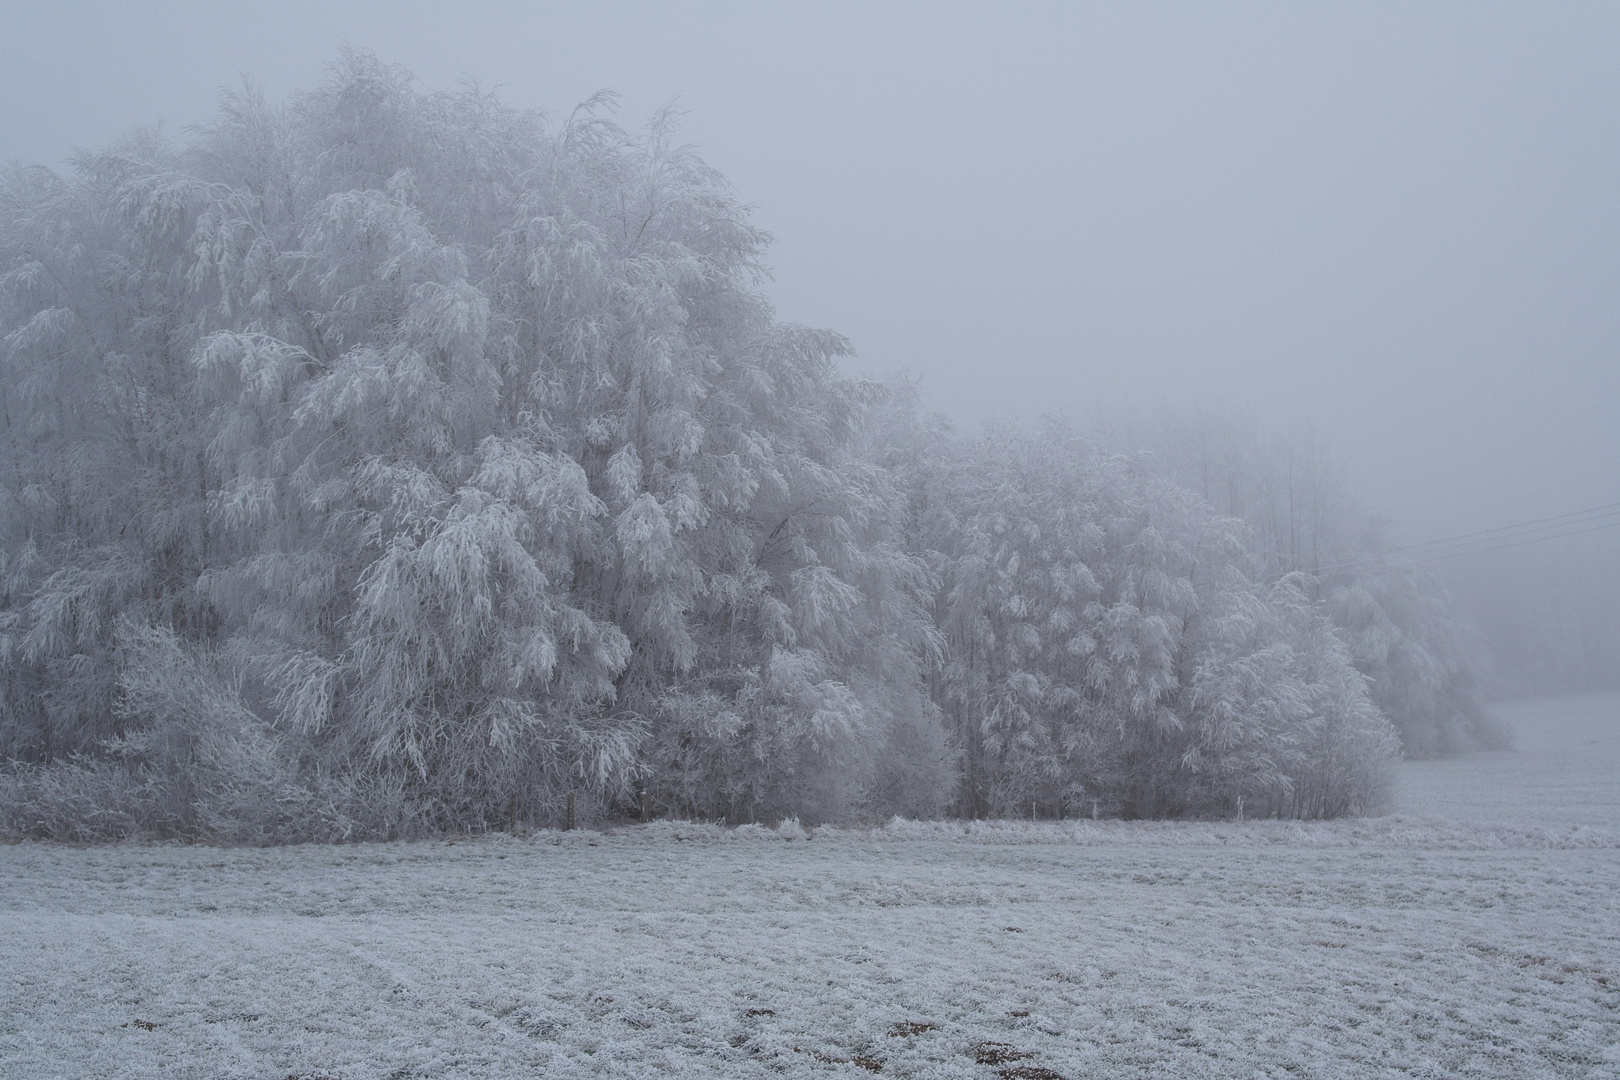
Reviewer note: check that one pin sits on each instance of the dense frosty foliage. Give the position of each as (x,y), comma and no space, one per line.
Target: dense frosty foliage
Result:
(1109,648)
(389,462)
(1421,662)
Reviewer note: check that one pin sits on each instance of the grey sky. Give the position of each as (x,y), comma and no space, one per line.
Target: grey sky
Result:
(1397,221)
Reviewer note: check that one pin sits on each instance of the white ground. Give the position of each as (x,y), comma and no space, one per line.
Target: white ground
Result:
(1475,934)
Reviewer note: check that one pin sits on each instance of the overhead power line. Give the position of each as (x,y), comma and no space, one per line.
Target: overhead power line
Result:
(1478,547)
(1536,531)
(1556,521)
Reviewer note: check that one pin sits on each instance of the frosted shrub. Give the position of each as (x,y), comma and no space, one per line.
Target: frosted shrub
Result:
(91,801)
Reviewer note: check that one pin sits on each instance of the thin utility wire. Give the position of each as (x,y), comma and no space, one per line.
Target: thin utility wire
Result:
(1485,540)
(1394,559)
(1446,549)
(1535,525)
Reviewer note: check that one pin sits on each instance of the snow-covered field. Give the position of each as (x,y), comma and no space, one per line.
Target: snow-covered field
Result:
(1476,933)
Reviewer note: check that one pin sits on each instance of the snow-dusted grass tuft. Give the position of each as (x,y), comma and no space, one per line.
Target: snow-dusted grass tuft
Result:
(1413,945)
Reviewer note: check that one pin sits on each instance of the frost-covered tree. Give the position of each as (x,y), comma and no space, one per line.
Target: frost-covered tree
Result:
(1396,621)
(105,482)
(470,447)
(1109,650)
(1395,618)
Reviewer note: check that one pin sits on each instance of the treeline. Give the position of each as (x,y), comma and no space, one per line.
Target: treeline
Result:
(385,462)
(1549,611)
(1423,665)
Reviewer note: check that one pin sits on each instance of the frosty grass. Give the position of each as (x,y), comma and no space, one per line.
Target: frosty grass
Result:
(1476,933)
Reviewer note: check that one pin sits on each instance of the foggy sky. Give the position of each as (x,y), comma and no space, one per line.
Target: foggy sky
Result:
(1398,223)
